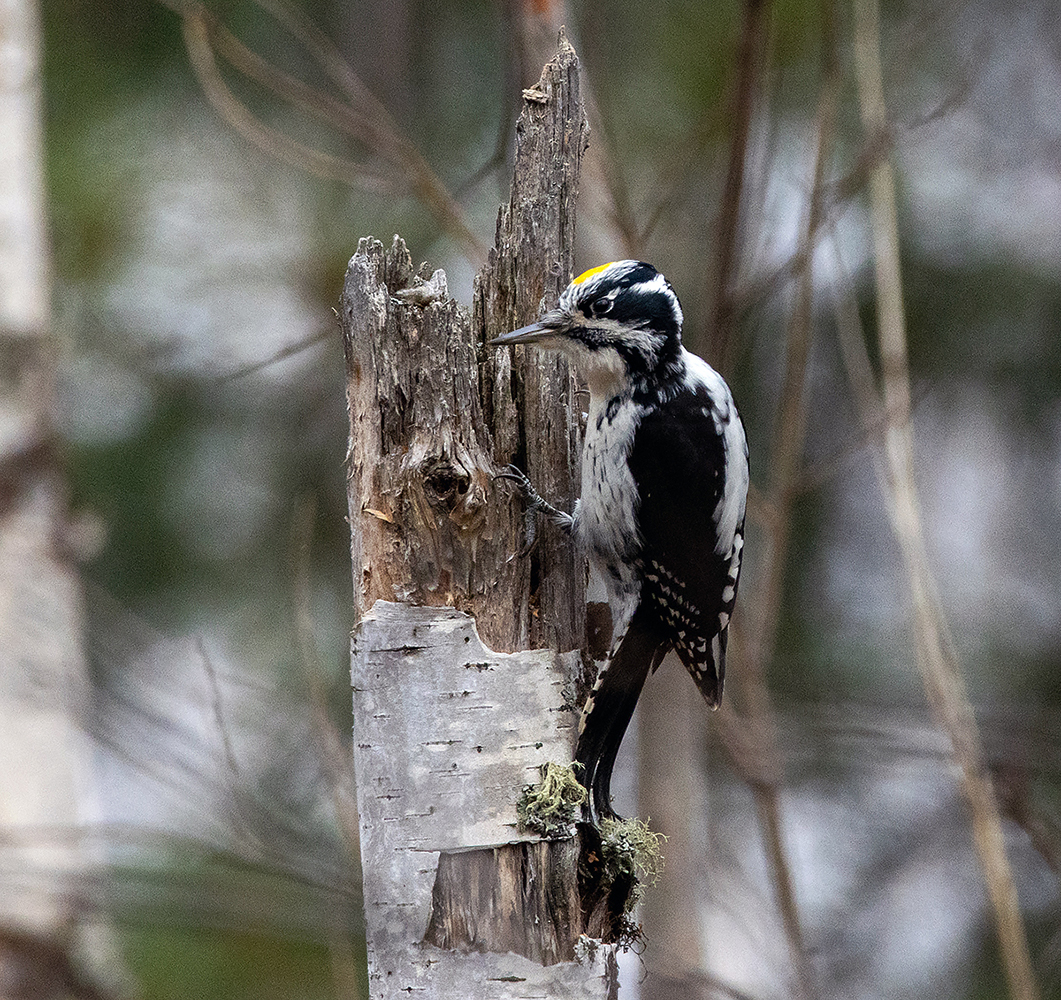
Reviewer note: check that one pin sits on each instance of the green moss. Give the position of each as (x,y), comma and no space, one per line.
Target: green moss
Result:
(552,806)
(631,851)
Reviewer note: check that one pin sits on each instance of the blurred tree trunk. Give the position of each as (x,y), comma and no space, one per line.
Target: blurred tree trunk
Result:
(459,901)
(43,785)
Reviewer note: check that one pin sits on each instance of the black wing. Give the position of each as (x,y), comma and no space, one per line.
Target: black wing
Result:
(678,461)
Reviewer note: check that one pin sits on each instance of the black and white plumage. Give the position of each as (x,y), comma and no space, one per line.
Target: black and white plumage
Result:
(664,485)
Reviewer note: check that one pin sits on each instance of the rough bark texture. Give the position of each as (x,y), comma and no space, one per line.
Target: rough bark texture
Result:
(430,426)
(428,524)
(531,398)
(503,892)
(447,732)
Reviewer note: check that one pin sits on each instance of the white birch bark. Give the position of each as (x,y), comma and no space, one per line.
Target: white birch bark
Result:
(448,733)
(42,670)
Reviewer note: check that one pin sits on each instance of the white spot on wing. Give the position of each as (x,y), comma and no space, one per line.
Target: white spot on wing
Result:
(730,510)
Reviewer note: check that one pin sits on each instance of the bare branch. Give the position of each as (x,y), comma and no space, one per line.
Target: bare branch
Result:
(787,457)
(361,116)
(333,754)
(334,757)
(940,670)
(754,36)
(197,40)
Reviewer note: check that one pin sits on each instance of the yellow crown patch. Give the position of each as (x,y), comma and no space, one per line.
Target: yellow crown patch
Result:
(592,271)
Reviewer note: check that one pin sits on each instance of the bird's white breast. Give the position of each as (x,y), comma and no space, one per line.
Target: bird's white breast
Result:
(606,521)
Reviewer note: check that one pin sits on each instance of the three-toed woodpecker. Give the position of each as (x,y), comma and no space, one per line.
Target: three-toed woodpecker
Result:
(664,485)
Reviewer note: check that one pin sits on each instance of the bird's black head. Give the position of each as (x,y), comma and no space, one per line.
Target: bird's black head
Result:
(620,323)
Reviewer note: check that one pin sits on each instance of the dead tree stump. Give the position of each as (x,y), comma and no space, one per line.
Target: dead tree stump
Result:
(453,714)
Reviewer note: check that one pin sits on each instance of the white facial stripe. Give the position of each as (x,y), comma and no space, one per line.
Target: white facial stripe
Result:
(605,359)
(658,284)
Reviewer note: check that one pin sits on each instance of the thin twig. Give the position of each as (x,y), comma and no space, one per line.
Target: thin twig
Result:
(290,350)
(1012,785)
(324,51)
(238,795)
(368,125)
(786,461)
(940,670)
(334,757)
(402,168)
(270,140)
(424,183)
(749,60)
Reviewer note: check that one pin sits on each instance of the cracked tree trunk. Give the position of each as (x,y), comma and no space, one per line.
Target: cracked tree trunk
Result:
(454,708)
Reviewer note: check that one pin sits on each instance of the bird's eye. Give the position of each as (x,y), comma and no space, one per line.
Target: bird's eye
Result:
(603,305)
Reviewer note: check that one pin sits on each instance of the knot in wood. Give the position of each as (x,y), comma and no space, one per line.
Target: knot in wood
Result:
(444,483)
(449,490)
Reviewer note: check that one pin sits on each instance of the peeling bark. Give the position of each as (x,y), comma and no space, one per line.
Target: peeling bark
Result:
(447,733)
(519,897)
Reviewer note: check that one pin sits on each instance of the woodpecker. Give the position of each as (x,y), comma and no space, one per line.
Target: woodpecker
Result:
(664,488)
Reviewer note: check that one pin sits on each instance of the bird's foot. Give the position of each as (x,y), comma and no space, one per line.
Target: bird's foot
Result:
(533,500)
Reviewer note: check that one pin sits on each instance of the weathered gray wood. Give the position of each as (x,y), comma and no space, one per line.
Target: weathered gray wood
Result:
(430,425)
(428,525)
(519,897)
(530,399)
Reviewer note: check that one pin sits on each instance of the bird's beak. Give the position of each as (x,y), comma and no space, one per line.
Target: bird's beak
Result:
(547,327)
(524,335)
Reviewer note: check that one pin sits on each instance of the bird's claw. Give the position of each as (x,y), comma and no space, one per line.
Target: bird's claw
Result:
(519,477)
(530,496)
(531,504)
(532,499)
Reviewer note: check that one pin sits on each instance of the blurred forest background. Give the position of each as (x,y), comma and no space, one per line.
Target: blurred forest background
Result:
(197,256)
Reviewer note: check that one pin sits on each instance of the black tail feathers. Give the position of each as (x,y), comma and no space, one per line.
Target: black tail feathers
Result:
(611,705)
